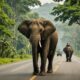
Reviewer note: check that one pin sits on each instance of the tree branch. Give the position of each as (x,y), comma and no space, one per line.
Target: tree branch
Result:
(78,22)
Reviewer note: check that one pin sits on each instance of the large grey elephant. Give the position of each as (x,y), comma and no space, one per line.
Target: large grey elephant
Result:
(69,52)
(43,37)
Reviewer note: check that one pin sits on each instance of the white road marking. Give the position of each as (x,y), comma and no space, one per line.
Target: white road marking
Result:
(55,69)
(33,78)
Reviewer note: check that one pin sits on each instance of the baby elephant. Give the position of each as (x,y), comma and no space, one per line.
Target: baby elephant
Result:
(43,37)
(68,51)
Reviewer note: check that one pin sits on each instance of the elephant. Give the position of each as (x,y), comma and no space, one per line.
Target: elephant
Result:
(44,38)
(69,52)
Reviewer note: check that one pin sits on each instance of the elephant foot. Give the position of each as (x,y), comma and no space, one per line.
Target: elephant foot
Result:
(42,73)
(50,71)
(67,60)
(35,73)
(70,60)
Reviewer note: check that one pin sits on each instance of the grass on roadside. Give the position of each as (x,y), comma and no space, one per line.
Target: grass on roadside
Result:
(78,55)
(10,60)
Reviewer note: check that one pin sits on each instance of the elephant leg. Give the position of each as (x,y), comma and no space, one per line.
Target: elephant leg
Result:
(67,57)
(35,66)
(52,48)
(50,60)
(44,54)
(70,57)
(43,64)
(35,61)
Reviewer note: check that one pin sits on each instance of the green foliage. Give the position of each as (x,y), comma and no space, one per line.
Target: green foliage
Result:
(12,12)
(7,50)
(10,60)
(22,6)
(5,20)
(70,11)
(5,32)
(72,35)
(30,15)
(4,17)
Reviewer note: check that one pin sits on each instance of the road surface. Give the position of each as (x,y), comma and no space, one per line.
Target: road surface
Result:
(23,70)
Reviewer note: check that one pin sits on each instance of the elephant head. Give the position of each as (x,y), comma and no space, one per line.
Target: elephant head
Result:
(36,30)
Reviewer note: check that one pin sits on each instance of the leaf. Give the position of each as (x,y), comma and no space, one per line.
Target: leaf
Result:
(69,11)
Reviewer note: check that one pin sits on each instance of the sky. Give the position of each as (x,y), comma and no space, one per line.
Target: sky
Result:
(49,1)
(45,1)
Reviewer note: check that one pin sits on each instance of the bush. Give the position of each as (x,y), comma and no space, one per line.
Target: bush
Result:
(18,57)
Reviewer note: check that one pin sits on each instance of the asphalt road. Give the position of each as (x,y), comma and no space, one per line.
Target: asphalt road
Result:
(23,70)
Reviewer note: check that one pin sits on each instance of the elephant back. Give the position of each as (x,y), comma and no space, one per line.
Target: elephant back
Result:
(68,49)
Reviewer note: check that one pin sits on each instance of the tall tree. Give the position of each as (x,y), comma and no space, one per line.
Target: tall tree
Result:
(10,11)
(70,11)
(5,24)
(22,6)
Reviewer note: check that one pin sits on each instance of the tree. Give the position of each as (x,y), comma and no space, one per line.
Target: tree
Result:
(30,15)
(22,6)
(5,24)
(70,11)
(57,0)
(5,21)
(10,11)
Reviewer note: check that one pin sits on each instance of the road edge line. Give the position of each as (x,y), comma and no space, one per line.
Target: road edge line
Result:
(57,66)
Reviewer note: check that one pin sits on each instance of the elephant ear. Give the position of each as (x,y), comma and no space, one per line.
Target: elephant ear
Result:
(24,28)
(48,28)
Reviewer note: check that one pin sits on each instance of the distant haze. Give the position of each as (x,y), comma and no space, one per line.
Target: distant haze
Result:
(49,1)
(46,1)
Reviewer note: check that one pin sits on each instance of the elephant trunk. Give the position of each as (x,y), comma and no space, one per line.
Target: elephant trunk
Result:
(35,57)
(35,41)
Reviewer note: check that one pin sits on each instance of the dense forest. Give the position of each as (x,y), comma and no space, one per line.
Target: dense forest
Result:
(12,12)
